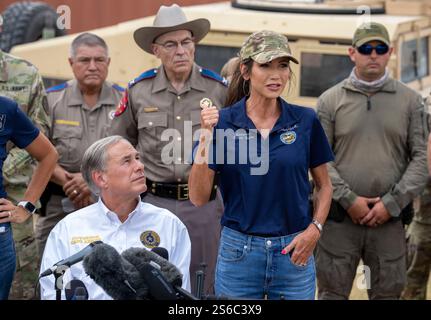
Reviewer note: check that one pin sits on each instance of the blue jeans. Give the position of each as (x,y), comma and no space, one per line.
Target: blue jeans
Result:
(253,267)
(7,259)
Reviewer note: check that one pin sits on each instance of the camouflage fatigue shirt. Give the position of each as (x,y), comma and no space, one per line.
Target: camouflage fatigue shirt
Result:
(423,214)
(20,81)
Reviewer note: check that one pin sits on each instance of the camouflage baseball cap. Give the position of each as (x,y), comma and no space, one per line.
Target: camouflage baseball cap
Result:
(265,46)
(370,31)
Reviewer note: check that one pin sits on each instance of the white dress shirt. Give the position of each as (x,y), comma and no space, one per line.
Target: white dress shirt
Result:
(97,222)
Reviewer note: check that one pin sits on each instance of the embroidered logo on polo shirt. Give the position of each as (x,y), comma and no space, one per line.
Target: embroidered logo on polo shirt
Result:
(288,137)
(150,239)
(241,134)
(2,121)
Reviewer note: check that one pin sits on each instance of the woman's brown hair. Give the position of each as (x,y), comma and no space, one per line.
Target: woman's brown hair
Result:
(238,86)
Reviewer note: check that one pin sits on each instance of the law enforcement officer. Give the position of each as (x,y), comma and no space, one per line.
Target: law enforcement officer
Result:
(20,81)
(159,113)
(375,126)
(15,126)
(112,168)
(419,238)
(81,111)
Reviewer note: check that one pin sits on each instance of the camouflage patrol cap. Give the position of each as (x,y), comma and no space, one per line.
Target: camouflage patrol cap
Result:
(367,32)
(265,46)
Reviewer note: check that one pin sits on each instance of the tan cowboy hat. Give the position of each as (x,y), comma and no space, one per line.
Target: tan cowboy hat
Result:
(170,19)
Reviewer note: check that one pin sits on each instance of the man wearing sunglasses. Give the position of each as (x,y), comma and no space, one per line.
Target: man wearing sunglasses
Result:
(375,126)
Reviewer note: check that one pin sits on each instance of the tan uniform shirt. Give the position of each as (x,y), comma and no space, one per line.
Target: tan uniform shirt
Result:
(75,126)
(161,122)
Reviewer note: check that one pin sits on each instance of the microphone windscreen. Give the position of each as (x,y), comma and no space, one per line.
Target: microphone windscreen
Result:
(114,274)
(162,252)
(140,256)
(76,290)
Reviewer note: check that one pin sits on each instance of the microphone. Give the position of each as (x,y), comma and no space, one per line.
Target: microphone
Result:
(162,252)
(76,290)
(161,275)
(160,288)
(139,257)
(77,257)
(117,276)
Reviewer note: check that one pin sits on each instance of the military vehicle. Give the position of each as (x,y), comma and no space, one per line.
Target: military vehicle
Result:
(319,32)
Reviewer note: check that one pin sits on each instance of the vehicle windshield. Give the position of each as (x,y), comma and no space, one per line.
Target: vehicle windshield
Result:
(320,71)
(415,59)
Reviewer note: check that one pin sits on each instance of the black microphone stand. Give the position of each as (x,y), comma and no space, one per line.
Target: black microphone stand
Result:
(58,284)
(200,278)
(200,281)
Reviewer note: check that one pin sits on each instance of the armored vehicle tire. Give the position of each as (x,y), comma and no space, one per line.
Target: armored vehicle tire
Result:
(26,22)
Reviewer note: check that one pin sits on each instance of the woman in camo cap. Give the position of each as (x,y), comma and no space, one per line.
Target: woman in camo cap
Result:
(261,148)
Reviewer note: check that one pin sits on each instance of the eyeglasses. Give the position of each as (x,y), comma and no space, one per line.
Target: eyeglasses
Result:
(173,45)
(367,48)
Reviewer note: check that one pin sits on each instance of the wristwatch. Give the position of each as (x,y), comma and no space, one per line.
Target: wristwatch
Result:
(27,205)
(318,225)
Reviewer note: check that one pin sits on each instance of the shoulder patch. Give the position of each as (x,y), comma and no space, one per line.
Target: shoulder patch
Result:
(118,88)
(122,106)
(145,75)
(57,87)
(214,76)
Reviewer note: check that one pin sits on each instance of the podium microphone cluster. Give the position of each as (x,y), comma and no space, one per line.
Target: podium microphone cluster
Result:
(135,274)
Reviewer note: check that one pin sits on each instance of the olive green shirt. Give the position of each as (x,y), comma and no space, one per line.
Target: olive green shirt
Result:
(75,126)
(379,143)
(161,122)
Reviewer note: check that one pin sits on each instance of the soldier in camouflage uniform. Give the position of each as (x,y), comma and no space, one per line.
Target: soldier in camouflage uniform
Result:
(419,241)
(20,81)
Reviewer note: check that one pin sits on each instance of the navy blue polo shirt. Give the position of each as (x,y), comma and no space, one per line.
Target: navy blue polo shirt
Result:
(15,127)
(264,182)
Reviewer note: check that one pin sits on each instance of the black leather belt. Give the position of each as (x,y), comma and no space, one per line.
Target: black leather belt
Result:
(177,191)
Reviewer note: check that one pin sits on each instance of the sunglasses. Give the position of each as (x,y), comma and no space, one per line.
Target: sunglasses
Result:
(367,48)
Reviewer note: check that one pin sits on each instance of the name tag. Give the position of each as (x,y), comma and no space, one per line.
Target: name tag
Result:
(85,240)
(151,109)
(14,88)
(67,122)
